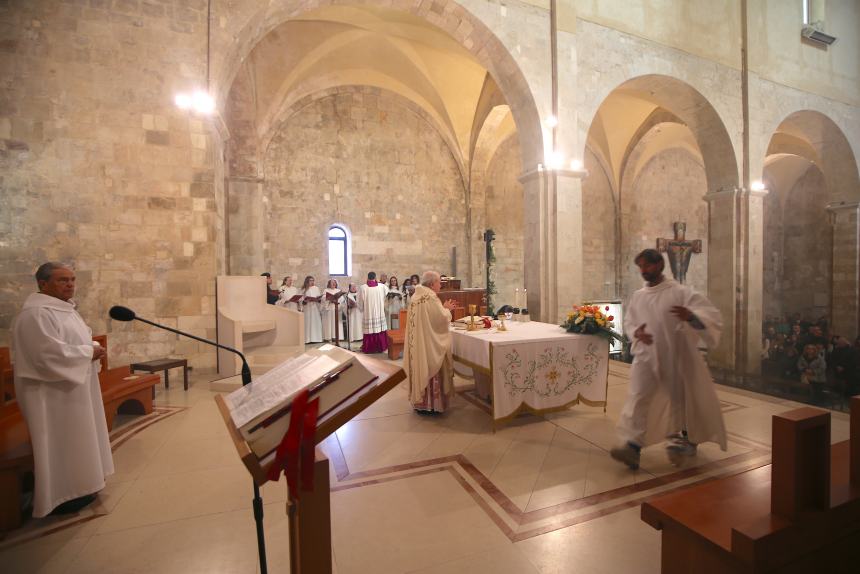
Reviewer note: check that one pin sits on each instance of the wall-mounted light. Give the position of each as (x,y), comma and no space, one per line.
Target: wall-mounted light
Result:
(199,102)
(551,121)
(757,185)
(576,164)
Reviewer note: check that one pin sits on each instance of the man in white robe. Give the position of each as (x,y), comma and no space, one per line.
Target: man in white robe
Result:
(57,388)
(671,395)
(427,348)
(371,303)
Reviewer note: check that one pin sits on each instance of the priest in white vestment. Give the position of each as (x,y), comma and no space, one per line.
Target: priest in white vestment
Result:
(371,303)
(287,292)
(311,296)
(671,394)
(427,348)
(57,389)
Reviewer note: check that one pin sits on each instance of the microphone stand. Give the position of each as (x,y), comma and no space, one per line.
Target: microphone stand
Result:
(246,378)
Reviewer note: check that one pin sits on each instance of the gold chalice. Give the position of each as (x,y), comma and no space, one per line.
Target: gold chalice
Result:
(471,326)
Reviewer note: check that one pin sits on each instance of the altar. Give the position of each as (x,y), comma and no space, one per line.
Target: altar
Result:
(534,367)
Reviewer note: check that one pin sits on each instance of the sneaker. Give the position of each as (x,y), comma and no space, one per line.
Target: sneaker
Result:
(679,449)
(626,454)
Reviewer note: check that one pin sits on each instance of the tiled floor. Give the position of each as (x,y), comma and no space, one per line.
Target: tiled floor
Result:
(409,493)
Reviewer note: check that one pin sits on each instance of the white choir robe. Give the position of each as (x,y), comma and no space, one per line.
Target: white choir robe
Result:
(57,388)
(395,304)
(356,333)
(285,295)
(671,388)
(313,320)
(328,316)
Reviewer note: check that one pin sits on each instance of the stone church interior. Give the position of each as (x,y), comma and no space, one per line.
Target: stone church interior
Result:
(181,157)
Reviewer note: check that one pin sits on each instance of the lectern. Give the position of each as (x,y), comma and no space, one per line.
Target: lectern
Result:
(309,512)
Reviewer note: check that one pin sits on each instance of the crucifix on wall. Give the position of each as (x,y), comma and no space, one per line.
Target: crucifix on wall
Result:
(680,251)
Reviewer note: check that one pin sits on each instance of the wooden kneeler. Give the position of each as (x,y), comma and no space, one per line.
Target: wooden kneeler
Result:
(309,513)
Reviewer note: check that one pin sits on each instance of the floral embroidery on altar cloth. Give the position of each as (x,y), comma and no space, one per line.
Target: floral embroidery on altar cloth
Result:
(553,372)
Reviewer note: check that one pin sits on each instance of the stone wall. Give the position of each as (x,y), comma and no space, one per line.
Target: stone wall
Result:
(669,188)
(364,158)
(798,249)
(504,215)
(100,169)
(600,228)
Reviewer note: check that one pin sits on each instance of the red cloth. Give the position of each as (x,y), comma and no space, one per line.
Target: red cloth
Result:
(372,283)
(375,343)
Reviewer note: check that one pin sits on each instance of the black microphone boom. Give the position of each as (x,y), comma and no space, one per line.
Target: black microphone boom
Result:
(120,313)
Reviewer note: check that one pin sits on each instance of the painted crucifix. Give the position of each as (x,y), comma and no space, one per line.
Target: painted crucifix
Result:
(680,251)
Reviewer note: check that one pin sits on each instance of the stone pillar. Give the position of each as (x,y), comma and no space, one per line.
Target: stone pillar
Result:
(553,241)
(245,229)
(751,303)
(535,266)
(722,270)
(845,314)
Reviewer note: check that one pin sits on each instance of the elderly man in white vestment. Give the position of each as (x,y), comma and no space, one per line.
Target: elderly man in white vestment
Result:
(672,396)
(57,388)
(371,303)
(427,349)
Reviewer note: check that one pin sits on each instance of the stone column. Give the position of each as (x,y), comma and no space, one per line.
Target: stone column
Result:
(845,314)
(722,270)
(553,241)
(751,301)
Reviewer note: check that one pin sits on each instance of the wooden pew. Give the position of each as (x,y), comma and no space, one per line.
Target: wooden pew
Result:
(397,337)
(121,392)
(799,514)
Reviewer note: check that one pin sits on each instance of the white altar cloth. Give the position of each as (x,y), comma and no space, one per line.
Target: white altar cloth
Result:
(534,366)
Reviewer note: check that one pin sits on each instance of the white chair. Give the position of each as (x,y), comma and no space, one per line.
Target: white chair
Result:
(247,323)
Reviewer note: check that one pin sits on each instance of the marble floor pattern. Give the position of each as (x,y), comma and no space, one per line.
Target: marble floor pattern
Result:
(410,493)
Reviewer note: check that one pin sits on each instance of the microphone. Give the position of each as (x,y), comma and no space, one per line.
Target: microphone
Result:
(120,313)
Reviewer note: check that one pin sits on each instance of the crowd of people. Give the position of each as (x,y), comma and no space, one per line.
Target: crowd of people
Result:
(319,309)
(809,352)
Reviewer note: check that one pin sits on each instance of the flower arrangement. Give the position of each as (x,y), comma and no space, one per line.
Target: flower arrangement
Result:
(591,320)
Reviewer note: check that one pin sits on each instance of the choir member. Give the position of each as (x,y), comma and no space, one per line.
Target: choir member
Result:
(311,296)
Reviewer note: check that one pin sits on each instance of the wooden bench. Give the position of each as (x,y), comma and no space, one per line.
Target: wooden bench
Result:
(799,514)
(122,392)
(397,337)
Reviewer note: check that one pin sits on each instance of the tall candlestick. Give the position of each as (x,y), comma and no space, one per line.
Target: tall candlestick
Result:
(517,297)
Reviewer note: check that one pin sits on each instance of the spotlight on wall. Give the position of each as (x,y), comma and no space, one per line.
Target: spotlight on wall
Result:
(576,164)
(551,121)
(555,160)
(198,101)
(757,185)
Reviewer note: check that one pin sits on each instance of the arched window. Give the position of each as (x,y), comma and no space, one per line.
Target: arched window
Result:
(338,251)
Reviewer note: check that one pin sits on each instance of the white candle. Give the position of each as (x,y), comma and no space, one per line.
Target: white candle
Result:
(525,298)
(517,297)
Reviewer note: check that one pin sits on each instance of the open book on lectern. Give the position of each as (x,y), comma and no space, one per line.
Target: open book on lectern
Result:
(261,410)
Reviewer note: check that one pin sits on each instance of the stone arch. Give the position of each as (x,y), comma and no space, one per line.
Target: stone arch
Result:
(809,154)
(447,15)
(692,109)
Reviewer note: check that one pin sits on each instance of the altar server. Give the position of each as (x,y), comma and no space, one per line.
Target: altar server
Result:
(327,310)
(371,303)
(427,349)
(287,292)
(671,395)
(57,388)
(311,297)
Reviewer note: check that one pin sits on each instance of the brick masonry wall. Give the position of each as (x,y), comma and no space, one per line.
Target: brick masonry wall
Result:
(99,169)
(504,215)
(365,158)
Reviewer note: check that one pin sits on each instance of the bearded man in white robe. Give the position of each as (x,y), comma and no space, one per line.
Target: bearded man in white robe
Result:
(57,388)
(427,349)
(671,395)
(371,303)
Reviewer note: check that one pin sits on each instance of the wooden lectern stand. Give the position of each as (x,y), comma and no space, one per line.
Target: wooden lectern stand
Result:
(310,514)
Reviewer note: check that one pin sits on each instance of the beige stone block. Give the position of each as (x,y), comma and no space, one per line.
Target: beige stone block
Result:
(188,249)
(5,128)
(200,234)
